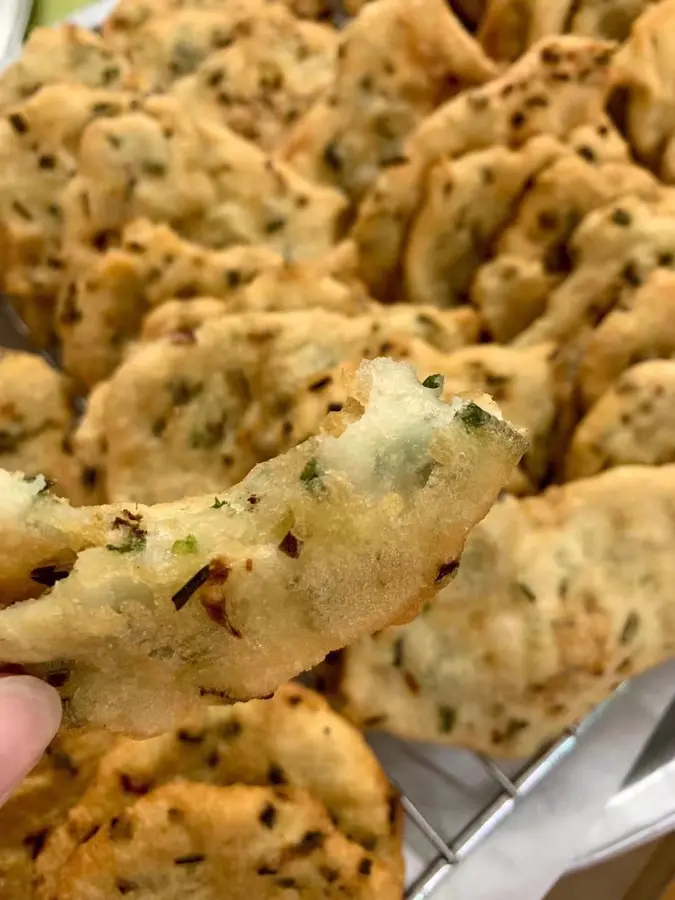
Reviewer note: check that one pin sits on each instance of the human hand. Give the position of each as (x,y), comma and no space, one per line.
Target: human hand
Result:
(30,714)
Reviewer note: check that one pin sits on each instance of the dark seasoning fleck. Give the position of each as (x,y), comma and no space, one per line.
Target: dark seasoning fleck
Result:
(133,534)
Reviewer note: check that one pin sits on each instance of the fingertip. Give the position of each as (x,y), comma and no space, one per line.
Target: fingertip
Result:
(30,715)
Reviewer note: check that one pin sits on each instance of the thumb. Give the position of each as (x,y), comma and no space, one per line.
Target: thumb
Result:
(30,714)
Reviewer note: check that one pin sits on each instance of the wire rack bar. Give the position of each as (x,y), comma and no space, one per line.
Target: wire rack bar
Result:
(465,841)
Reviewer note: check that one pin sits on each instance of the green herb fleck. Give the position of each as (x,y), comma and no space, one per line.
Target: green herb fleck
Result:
(473,416)
(311,474)
(435,382)
(135,541)
(185,546)
(218,504)
(447,718)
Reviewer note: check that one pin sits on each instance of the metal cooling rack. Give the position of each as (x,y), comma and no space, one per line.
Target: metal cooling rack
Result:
(477,804)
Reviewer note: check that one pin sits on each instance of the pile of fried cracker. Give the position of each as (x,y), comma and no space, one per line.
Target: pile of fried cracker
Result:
(210,208)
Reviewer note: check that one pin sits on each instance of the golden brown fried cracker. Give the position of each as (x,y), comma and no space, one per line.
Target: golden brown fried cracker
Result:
(294,740)
(101,308)
(143,613)
(263,83)
(639,328)
(466,203)
(643,71)
(39,137)
(599,142)
(239,841)
(561,195)
(63,54)
(611,253)
(510,293)
(631,423)
(541,94)
(89,444)
(40,803)
(379,96)
(162,48)
(510,27)
(558,599)
(522,383)
(36,415)
(213,187)
(612,20)
(180,318)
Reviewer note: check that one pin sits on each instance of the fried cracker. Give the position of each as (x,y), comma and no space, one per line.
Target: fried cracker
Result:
(631,423)
(639,328)
(379,96)
(208,842)
(559,598)
(40,803)
(143,613)
(294,740)
(39,137)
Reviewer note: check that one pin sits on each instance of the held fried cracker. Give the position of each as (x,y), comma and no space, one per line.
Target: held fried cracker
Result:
(141,612)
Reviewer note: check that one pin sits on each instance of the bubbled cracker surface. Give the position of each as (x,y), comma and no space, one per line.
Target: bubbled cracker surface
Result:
(558,599)
(208,841)
(293,740)
(158,618)
(32,814)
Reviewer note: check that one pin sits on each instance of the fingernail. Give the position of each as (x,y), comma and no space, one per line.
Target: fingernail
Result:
(30,714)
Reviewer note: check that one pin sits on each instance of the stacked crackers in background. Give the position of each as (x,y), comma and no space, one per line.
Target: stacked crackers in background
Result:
(210,208)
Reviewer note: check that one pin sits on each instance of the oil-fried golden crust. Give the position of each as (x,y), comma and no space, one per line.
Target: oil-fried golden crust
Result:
(559,85)
(639,328)
(232,596)
(36,418)
(643,69)
(40,803)
(207,842)
(631,423)
(212,186)
(39,137)
(195,411)
(294,739)
(380,94)
(64,54)
(266,80)
(558,599)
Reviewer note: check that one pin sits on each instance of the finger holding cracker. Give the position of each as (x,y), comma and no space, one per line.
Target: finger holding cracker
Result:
(234,594)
